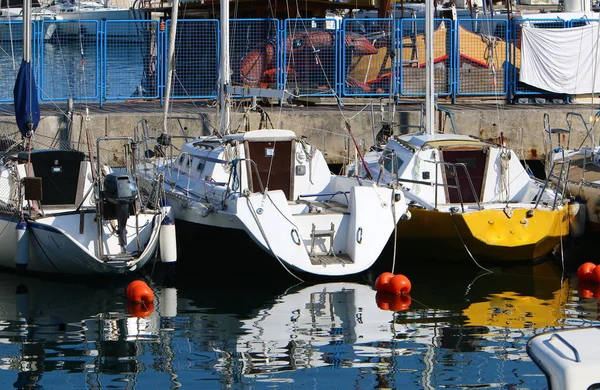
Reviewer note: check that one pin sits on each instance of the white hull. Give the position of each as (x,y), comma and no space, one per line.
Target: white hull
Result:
(57,247)
(283,229)
(87,22)
(310,220)
(65,232)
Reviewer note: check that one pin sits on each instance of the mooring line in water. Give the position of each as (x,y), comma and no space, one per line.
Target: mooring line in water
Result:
(393,207)
(465,245)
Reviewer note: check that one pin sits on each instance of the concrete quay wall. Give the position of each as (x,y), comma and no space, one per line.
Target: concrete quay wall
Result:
(521,127)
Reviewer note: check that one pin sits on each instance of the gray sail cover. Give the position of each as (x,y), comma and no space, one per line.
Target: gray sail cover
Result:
(561,60)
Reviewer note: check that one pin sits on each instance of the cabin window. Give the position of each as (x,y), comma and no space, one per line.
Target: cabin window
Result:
(469,162)
(391,162)
(185,159)
(200,166)
(269,152)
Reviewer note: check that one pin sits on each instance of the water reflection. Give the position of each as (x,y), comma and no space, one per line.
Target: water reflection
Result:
(48,326)
(463,327)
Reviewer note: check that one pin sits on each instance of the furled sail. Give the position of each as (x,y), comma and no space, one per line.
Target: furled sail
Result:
(27,106)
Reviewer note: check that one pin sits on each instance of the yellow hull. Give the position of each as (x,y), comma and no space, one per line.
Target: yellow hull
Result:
(489,235)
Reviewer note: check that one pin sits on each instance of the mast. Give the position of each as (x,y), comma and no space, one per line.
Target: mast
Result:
(27,31)
(429,75)
(27,106)
(170,61)
(224,71)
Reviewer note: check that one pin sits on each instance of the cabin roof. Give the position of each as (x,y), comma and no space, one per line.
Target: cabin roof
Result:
(441,140)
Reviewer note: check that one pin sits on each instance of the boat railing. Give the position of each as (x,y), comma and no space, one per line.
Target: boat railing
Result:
(453,170)
(560,180)
(152,145)
(235,179)
(560,133)
(436,183)
(587,127)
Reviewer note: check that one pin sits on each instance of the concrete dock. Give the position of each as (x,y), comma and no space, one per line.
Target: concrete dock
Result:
(521,127)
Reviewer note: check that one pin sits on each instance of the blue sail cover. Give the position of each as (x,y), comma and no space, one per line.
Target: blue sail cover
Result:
(27,106)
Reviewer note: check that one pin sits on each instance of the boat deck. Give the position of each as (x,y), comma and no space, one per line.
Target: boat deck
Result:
(582,167)
(330,259)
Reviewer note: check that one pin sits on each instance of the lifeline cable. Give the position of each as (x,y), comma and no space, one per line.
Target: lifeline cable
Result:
(265,237)
(395,233)
(465,245)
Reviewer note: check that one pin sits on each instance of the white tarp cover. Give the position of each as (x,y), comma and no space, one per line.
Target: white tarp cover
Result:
(561,60)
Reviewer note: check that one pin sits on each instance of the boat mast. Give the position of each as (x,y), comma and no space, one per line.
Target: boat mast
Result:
(224,71)
(429,75)
(170,61)
(27,31)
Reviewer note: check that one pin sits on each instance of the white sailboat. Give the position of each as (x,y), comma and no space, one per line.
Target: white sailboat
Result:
(473,198)
(83,18)
(65,212)
(276,189)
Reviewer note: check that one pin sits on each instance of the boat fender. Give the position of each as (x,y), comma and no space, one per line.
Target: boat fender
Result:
(577,217)
(140,309)
(139,291)
(167,304)
(22,300)
(167,241)
(22,253)
(394,284)
(585,271)
(388,301)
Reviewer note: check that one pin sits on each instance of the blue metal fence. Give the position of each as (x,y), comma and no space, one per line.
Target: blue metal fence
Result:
(126,60)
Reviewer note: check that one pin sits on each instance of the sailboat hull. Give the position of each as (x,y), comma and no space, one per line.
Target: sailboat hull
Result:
(329,239)
(58,246)
(489,234)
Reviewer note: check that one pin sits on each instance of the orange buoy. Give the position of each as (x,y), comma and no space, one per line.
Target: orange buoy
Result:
(382,280)
(139,291)
(586,289)
(585,270)
(140,309)
(595,275)
(394,302)
(399,284)
(395,284)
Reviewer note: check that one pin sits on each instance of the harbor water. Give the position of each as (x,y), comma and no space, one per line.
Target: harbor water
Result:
(462,327)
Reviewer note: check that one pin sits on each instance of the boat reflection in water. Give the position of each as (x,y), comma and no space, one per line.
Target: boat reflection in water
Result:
(47,327)
(461,328)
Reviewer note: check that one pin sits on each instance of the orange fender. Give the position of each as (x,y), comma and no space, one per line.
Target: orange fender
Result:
(255,63)
(139,291)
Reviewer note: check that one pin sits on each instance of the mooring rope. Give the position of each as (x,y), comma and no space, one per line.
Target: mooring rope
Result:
(465,245)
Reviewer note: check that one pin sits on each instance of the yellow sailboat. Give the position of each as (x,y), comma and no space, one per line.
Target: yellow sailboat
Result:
(470,198)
